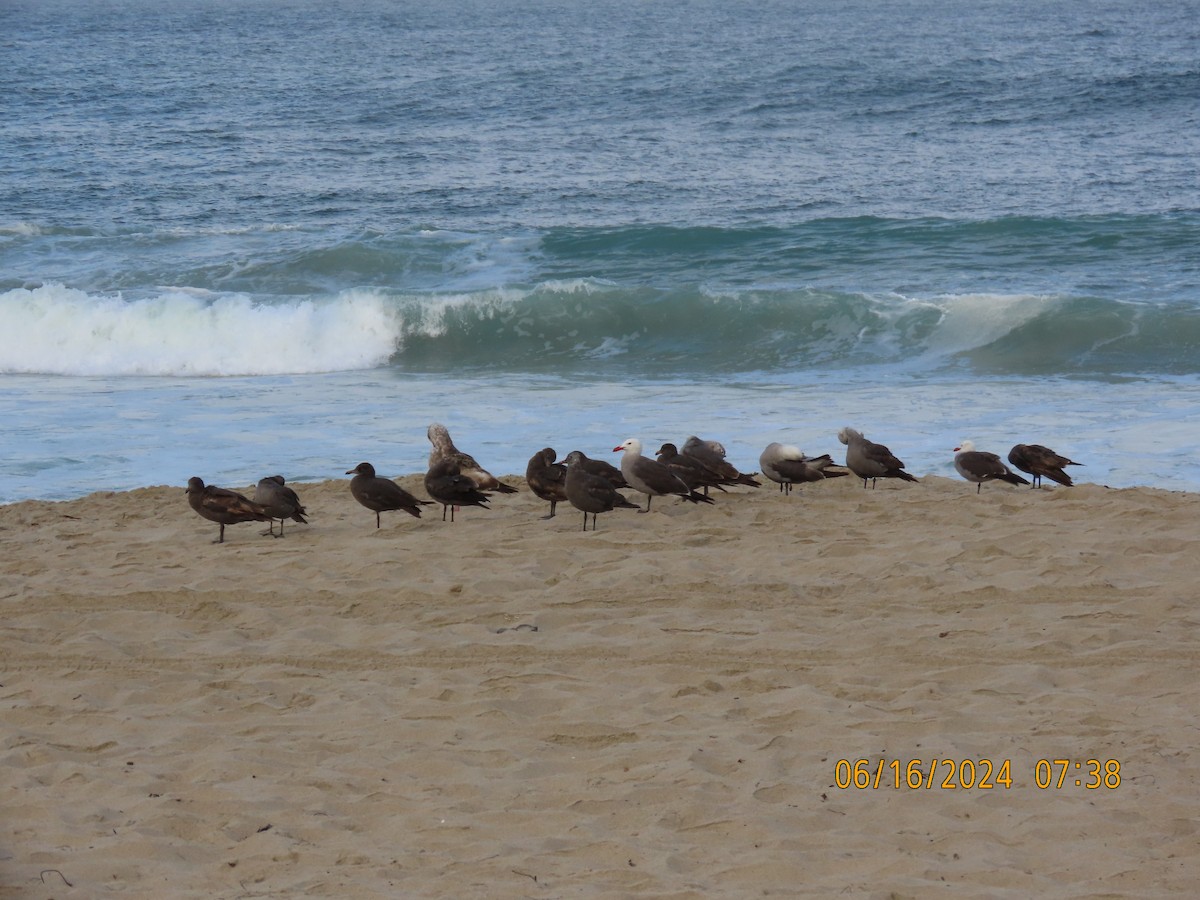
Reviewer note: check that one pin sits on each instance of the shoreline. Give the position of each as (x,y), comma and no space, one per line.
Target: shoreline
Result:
(164,435)
(511,706)
(413,482)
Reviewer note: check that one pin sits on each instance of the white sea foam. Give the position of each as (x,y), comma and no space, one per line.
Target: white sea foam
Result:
(479,262)
(608,347)
(969,321)
(20,229)
(57,330)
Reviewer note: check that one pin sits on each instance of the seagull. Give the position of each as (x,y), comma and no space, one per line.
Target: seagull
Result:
(281,502)
(443,448)
(980,466)
(787,465)
(690,470)
(223,506)
(694,443)
(446,484)
(591,493)
(382,494)
(651,477)
(605,470)
(1038,461)
(711,455)
(547,478)
(866,459)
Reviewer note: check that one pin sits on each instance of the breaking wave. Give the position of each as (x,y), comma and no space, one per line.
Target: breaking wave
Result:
(583,325)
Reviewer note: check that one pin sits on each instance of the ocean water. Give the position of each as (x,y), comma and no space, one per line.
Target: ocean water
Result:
(246,237)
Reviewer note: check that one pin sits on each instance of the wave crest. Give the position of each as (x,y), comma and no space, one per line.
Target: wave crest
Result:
(579,326)
(57,330)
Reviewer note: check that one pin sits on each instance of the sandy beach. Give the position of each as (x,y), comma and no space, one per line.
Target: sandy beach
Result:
(510,707)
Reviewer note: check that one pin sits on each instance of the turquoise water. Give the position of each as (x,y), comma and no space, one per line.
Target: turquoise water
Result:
(246,238)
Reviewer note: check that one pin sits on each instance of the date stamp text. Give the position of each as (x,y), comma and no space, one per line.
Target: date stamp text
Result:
(975,774)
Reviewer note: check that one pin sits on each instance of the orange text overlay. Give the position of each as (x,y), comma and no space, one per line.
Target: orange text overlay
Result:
(975,774)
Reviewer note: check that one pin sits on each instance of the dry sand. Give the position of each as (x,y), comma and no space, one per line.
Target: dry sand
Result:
(509,707)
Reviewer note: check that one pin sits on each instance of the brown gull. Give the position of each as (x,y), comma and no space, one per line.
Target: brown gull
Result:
(280,501)
(547,478)
(711,455)
(604,469)
(446,484)
(869,460)
(979,466)
(591,493)
(382,494)
(225,507)
(690,470)
(443,448)
(1041,461)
